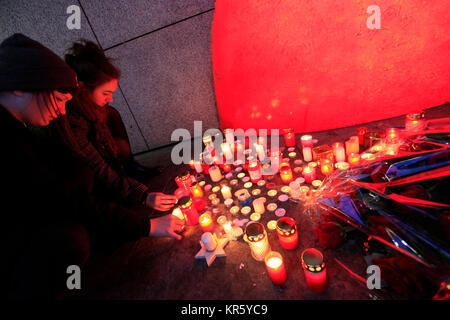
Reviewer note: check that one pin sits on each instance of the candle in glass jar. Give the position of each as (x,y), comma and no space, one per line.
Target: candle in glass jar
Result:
(196,190)
(307,154)
(275,156)
(289,137)
(229,136)
(192,164)
(256,237)
(309,173)
(254,170)
(361,132)
(262,141)
(275,267)
(206,223)
(342,165)
(286,173)
(260,151)
(184,181)
(354,159)
(189,211)
(226,167)
(415,121)
(287,233)
(339,152)
(306,141)
(326,166)
(315,271)
(392,135)
(226,192)
(198,166)
(215,174)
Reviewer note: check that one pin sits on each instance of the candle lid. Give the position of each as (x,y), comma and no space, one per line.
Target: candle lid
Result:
(254,231)
(185,201)
(312,260)
(286,226)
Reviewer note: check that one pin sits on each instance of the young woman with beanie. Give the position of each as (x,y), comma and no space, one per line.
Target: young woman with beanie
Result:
(49,212)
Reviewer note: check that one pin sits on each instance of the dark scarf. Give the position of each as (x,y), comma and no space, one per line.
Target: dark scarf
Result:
(97,116)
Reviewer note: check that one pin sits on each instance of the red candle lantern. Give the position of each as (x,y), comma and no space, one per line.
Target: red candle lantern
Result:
(254,171)
(206,223)
(315,271)
(415,122)
(196,190)
(392,136)
(189,210)
(275,267)
(289,137)
(326,166)
(309,173)
(286,173)
(226,167)
(287,233)
(184,181)
(361,132)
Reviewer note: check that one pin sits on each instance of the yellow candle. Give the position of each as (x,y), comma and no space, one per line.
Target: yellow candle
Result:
(272,193)
(255,216)
(234,210)
(272,225)
(246,210)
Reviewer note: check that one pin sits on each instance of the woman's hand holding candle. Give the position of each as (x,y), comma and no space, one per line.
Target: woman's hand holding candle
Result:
(166,226)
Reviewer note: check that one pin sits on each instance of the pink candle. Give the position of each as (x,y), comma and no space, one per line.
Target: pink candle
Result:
(309,173)
(307,154)
(306,141)
(189,210)
(275,268)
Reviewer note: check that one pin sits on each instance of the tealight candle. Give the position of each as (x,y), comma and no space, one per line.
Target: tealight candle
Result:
(307,154)
(354,159)
(298,162)
(228,202)
(342,165)
(238,169)
(292,154)
(212,196)
(287,233)
(272,193)
(272,206)
(256,192)
(316,183)
(261,183)
(246,179)
(283,198)
(227,226)
(306,141)
(272,225)
(215,201)
(280,212)
(234,209)
(206,223)
(226,192)
(315,271)
(275,267)
(255,216)
(309,174)
(221,220)
(304,190)
(215,174)
(215,189)
(241,175)
(246,210)
(312,164)
(258,205)
(285,189)
(248,185)
(300,180)
(234,182)
(298,169)
(368,156)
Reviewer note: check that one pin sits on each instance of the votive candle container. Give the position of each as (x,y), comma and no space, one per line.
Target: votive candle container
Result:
(287,233)
(315,271)
(256,237)
(275,267)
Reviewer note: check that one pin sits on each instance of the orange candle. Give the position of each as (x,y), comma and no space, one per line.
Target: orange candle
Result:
(286,173)
(206,223)
(275,267)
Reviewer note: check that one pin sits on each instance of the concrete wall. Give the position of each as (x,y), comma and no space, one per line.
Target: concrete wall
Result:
(163,48)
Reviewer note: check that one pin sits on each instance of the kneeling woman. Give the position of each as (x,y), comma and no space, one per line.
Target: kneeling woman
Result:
(98,127)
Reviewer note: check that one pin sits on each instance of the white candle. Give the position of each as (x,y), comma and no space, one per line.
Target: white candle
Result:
(198,166)
(340,154)
(227,151)
(208,241)
(226,192)
(258,205)
(215,174)
(307,154)
(229,136)
(260,151)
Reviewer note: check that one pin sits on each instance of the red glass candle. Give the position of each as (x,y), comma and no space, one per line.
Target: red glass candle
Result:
(392,135)
(309,173)
(306,141)
(287,233)
(275,267)
(289,137)
(199,203)
(196,190)
(254,171)
(361,131)
(315,271)
(415,122)
(326,166)
(206,223)
(184,181)
(286,173)
(226,167)
(354,159)
(192,164)
(189,211)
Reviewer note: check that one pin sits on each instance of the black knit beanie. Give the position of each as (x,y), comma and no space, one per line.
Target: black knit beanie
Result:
(27,65)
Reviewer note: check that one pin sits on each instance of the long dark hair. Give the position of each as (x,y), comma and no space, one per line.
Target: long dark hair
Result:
(93,69)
